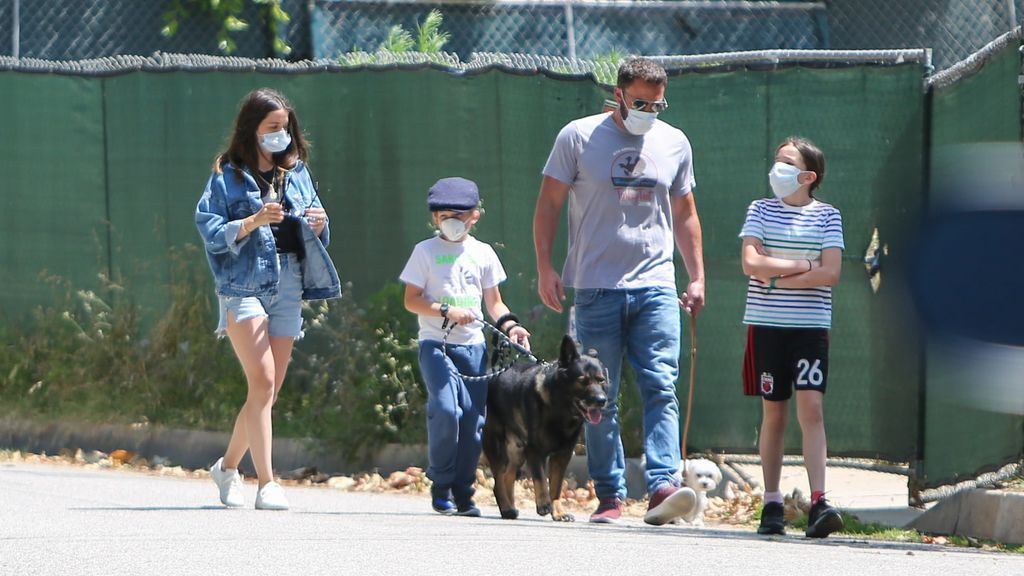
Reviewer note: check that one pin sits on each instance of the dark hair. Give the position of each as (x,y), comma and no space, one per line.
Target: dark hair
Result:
(813,157)
(243,149)
(644,69)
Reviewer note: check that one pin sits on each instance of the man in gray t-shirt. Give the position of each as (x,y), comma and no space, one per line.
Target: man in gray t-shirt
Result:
(628,178)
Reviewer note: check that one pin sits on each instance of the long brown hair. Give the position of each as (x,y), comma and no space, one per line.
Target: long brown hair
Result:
(243,150)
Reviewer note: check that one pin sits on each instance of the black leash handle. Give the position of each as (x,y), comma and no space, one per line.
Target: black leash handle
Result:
(515,346)
(521,350)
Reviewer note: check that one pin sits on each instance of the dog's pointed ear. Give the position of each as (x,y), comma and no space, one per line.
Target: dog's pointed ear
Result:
(569,353)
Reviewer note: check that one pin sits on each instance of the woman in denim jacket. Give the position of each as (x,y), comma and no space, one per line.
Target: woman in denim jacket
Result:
(265,233)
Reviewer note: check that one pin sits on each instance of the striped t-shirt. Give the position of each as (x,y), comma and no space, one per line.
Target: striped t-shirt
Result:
(793,233)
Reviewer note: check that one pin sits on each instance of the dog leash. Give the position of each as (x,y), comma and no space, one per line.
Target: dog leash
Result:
(499,350)
(693,370)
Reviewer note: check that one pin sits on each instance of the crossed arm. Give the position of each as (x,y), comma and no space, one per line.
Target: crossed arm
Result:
(791,273)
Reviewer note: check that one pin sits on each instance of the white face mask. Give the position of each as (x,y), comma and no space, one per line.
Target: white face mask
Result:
(784,179)
(275,142)
(453,229)
(639,122)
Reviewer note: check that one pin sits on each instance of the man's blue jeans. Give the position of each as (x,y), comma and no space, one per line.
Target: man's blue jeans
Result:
(455,414)
(643,322)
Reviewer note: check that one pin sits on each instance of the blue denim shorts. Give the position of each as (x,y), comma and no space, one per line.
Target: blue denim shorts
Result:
(284,309)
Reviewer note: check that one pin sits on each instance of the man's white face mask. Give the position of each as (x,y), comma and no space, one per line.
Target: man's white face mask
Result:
(639,122)
(636,120)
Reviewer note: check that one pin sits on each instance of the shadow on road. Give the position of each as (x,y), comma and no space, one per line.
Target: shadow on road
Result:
(141,508)
(795,536)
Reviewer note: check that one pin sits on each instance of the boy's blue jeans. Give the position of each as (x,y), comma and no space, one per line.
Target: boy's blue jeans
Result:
(643,322)
(455,414)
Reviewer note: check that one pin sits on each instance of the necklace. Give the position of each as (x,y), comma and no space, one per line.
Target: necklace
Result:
(271,189)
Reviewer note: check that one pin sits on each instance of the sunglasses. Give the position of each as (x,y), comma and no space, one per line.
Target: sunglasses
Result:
(657,106)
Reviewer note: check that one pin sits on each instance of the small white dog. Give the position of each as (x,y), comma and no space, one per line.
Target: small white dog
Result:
(702,476)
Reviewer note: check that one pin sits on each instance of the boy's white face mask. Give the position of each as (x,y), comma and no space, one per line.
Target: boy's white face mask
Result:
(453,229)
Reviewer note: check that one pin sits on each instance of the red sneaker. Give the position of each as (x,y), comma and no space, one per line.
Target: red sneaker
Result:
(668,503)
(609,510)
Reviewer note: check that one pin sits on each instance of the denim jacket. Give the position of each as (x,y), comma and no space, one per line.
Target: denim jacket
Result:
(248,267)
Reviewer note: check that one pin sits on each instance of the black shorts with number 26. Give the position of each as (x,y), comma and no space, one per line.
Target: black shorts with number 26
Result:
(779,359)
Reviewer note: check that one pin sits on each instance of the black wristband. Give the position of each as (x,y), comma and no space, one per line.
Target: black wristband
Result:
(505,318)
(443,310)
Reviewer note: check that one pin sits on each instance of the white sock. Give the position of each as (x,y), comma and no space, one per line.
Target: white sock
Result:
(775,496)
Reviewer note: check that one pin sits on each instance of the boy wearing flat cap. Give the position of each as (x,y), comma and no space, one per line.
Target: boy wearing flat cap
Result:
(448,279)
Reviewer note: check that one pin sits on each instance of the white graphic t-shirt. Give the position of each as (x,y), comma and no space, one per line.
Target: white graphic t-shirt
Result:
(620,215)
(453,273)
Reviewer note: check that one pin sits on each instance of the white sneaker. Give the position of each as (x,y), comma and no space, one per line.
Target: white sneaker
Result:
(271,497)
(229,483)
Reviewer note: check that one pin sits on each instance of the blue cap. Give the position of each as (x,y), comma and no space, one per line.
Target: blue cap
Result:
(453,194)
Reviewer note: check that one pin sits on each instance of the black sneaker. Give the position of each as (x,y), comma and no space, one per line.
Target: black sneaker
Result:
(773,519)
(467,508)
(823,520)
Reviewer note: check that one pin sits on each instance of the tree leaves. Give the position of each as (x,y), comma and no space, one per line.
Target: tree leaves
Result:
(228,14)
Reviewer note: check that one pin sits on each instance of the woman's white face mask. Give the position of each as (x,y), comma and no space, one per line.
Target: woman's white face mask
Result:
(274,142)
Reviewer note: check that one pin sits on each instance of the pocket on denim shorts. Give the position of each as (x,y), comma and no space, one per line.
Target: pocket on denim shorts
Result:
(586,296)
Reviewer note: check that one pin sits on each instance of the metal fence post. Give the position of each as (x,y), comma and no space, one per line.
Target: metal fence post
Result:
(570,29)
(16,29)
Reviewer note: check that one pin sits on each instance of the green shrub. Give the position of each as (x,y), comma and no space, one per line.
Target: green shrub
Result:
(353,383)
(85,356)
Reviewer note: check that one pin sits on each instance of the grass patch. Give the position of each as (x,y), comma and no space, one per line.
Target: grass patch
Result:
(855,527)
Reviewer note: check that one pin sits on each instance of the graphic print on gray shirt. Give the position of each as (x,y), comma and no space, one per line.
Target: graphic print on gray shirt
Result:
(620,216)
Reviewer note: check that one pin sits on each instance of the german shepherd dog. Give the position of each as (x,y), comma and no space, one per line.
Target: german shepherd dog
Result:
(534,416)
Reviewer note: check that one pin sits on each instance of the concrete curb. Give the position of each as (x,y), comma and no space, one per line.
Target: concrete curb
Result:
(986,514)
(196,449)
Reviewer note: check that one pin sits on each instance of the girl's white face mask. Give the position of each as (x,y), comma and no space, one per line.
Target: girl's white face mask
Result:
(784,179)
(275,142)
(453,229)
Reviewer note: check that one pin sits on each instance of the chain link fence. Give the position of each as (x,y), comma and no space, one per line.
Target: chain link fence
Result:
(589,29)
(81,29)
(586,29)
(954,29)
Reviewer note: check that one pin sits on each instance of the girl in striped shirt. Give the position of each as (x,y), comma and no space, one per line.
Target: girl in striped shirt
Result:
(792,252)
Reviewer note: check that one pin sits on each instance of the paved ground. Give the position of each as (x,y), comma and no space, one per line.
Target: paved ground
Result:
(58,520)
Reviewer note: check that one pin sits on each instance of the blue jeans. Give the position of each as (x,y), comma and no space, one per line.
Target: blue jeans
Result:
(455,414)
(643,322)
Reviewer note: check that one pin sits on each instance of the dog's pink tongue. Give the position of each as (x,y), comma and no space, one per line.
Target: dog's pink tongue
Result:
(594,415)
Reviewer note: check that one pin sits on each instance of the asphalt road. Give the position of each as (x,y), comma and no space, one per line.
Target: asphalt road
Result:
(58,520)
